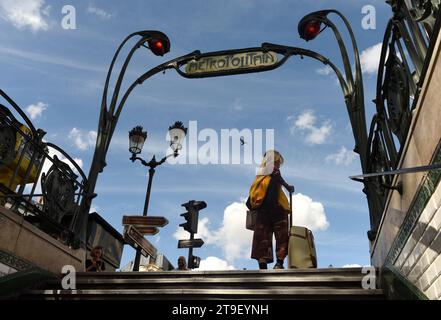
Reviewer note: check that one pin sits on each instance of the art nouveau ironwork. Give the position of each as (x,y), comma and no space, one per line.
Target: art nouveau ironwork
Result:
(28,164)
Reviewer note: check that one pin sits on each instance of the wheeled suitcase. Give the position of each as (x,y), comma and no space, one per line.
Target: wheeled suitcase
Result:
(301,247)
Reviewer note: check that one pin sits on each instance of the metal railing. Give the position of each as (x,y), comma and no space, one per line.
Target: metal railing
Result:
(405,55)
(38,179)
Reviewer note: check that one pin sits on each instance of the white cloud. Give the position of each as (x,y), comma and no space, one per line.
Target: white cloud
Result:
(81,139)
(370,59)
(308,213)
(324,71)
(98,12)
(342,157)
(352,266)
(25,13)
(214,263)
(306,122)
(234,239)
(319,135)
(36,110)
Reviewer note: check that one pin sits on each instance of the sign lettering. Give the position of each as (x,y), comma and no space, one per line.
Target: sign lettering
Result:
(231,62)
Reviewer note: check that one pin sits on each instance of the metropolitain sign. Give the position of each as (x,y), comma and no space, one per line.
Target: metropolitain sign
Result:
(233,63)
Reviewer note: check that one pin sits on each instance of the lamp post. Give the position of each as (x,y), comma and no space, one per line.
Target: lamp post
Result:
(309,27)
(137,138)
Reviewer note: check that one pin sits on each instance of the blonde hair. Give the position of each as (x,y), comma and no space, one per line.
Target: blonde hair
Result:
(269,159)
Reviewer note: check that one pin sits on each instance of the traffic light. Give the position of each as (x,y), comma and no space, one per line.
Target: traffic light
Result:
(192,215)
(159,47)
(192,221)
(309,28)
(194,262)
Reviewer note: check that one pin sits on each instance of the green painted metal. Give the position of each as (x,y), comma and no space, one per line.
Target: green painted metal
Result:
(396,287)
(13,285)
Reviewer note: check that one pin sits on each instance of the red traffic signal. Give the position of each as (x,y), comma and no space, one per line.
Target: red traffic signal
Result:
(159,47)
(309,29)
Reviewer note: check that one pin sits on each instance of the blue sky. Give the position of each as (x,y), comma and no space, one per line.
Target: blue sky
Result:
(58,76)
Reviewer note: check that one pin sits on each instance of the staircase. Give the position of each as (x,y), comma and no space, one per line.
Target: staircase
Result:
(197,285)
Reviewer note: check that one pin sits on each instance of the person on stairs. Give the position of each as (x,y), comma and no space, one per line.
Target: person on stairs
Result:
(267,198)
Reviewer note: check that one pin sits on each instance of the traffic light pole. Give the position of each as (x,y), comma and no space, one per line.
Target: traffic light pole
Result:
(191,226)
(190,253)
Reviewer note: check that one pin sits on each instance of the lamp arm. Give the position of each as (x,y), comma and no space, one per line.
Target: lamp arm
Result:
(168,156)
(111,120)
(287,50)
(358,73)
(133,158)
(359,97)
(109,72)
(356,107)
(115,117)
(343,51)
(122,73)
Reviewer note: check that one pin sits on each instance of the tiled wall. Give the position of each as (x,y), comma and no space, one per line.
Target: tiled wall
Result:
(420,259)
(5,270)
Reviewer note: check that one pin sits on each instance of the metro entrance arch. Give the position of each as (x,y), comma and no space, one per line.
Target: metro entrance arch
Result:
(404,137)
(234,62)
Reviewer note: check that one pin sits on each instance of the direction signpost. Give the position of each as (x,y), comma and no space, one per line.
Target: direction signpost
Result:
(147,231)
(145,221)
(190,243)
(133,237)
(136,227)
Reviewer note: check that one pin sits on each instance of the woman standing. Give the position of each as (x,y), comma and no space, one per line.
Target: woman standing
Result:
(267,198)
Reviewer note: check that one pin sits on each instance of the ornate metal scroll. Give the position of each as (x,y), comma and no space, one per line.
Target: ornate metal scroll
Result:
(58,189)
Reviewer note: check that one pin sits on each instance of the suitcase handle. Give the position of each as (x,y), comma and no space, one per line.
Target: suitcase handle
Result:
(290,212)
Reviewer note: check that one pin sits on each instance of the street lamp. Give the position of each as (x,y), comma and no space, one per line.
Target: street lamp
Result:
(137,138)
(177,133)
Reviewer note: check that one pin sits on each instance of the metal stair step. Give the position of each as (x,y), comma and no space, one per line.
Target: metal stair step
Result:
(196,293)
(240,284)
